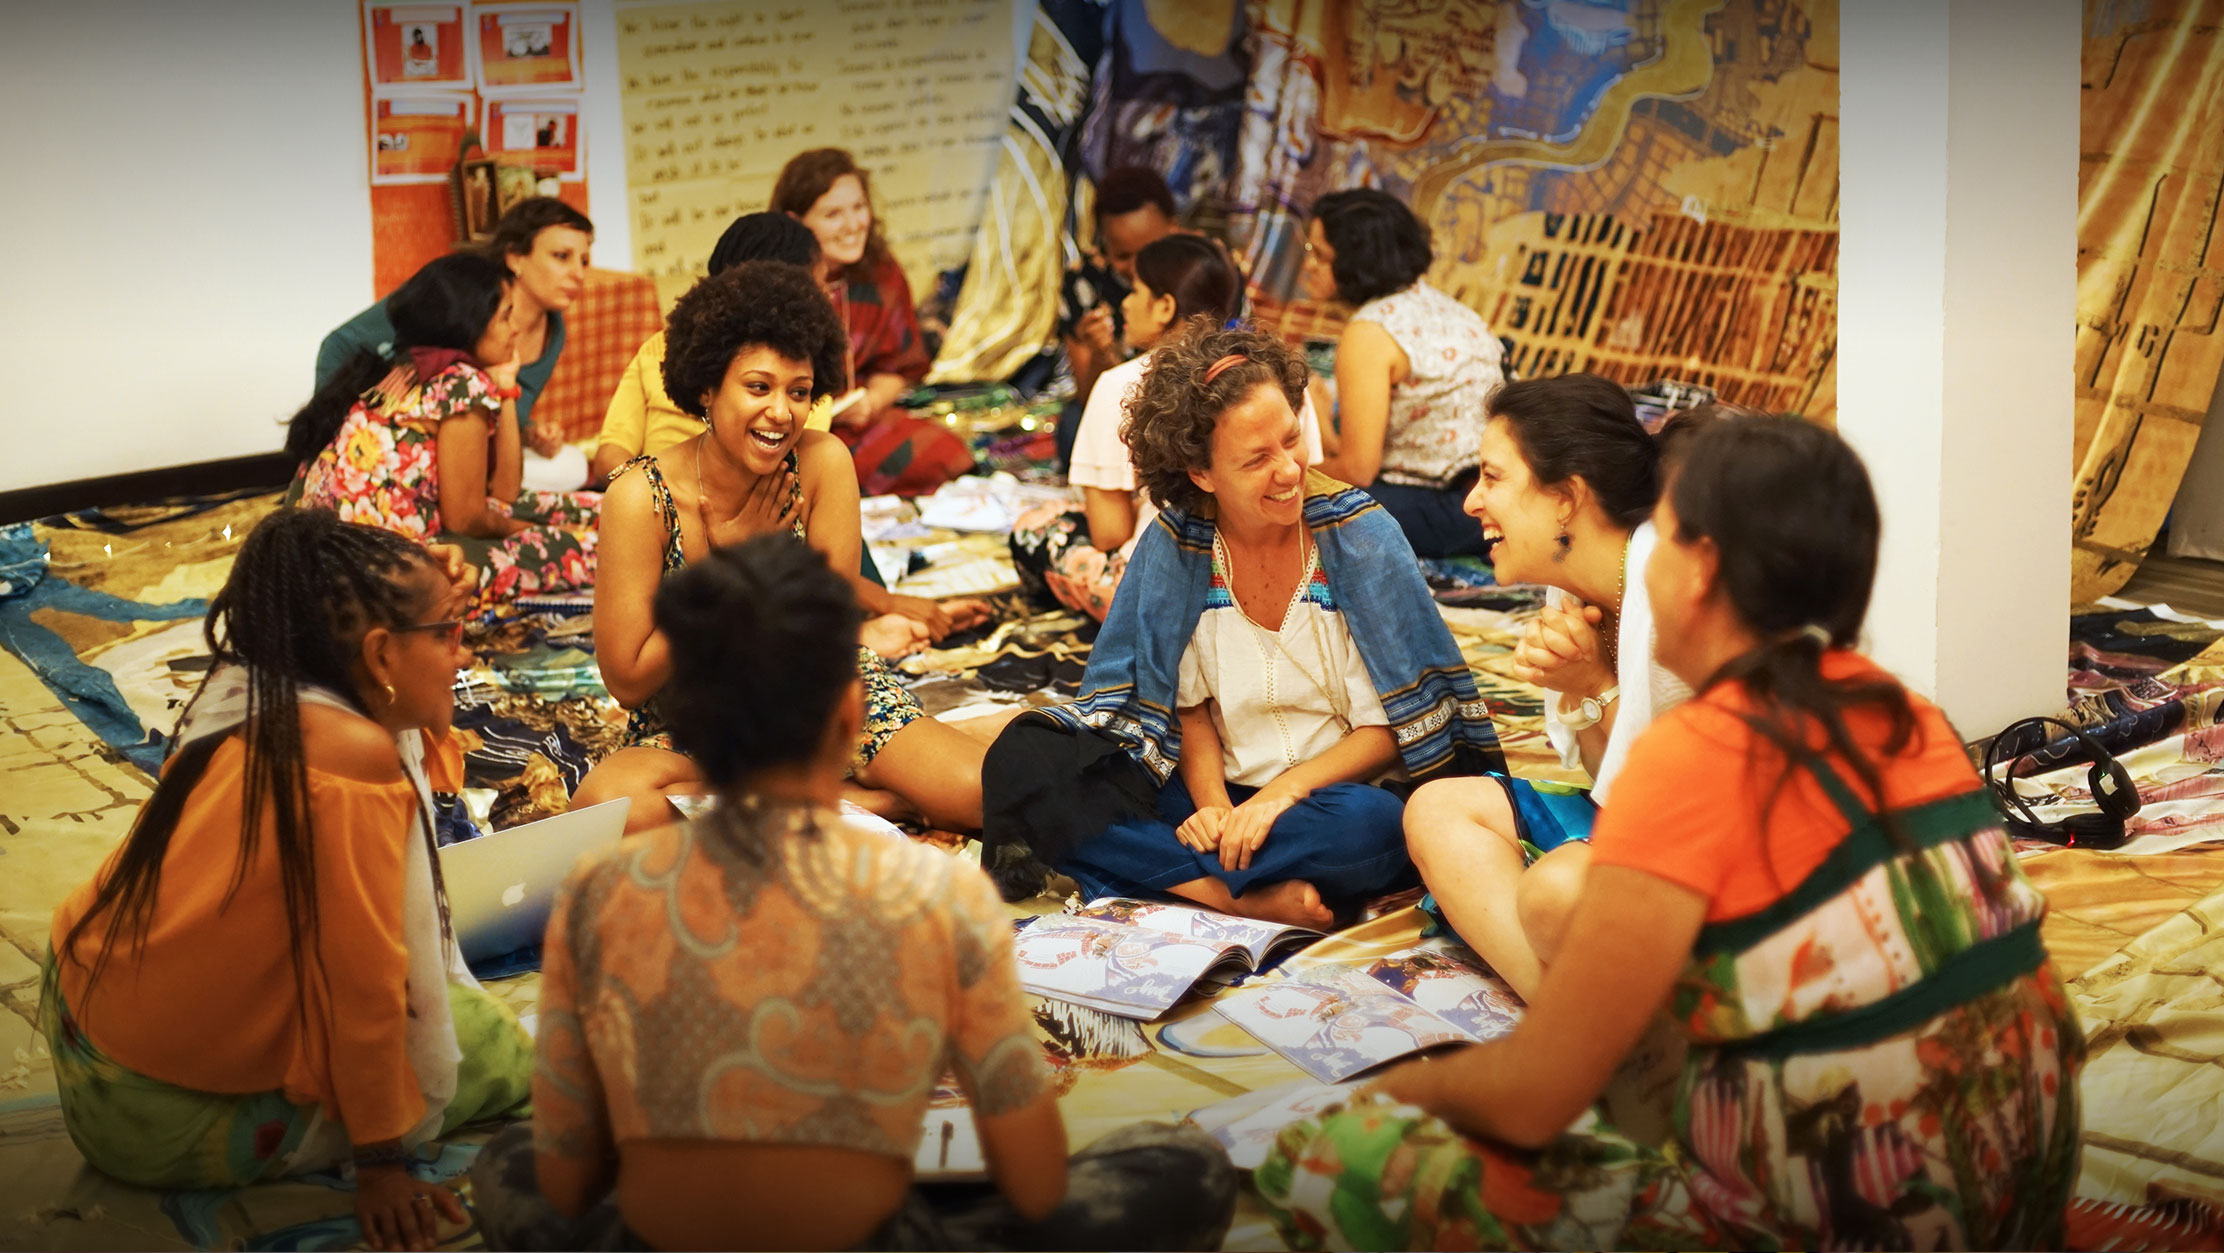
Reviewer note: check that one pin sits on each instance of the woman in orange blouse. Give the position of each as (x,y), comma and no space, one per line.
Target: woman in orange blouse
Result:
(192,1049)
(744,1018)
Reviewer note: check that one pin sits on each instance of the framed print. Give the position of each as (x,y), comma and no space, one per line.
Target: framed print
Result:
(416,138)
(416,45)
(543,134)
(526,47)
(476,199)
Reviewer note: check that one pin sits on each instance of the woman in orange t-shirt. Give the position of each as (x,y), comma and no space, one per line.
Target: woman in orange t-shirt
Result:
(1801,870)
(228,1000)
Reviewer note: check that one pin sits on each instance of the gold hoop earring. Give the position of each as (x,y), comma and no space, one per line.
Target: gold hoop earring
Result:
(390,697)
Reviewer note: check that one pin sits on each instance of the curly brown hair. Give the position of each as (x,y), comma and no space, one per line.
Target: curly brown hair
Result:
(1171,419)
(768,303)
(811,174)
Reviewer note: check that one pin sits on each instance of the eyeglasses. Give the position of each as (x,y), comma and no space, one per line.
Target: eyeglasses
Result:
(452,628)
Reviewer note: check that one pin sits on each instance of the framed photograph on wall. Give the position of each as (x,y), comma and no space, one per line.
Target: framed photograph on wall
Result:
(415,138)
(526,47)
(478,203)
(513,183)
(541,133)
(416,45)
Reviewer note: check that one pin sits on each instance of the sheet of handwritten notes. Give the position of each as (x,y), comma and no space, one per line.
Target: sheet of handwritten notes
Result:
(718,95)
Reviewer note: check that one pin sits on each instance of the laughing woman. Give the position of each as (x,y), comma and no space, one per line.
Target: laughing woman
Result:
(1271,654)
(749,351)
(1801,872)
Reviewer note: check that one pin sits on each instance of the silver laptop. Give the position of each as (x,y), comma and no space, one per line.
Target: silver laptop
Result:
(502,886)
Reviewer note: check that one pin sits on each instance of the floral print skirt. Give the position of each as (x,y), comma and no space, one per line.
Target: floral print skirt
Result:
(1051,549)
(555,554)
(159,1135)
(1961,1134)
(889,708)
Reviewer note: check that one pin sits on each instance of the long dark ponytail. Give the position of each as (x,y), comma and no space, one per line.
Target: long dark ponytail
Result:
(446,304)
(1793,518)
(304,589)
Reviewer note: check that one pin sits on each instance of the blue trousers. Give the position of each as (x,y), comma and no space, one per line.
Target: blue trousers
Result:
(1431,517)
(1348,840)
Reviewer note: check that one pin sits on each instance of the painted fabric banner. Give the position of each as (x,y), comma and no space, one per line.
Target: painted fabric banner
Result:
(1646,189)
(2149,347)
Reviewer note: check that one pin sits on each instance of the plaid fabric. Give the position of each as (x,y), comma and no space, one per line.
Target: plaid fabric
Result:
(616,312)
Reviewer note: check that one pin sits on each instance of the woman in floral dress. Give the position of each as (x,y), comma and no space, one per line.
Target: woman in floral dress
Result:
(429,446)
(1801,869)
(749,350)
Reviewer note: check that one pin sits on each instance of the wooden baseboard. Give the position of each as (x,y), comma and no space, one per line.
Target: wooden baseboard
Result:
(273,470)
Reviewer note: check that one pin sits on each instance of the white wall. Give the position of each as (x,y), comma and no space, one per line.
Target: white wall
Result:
(1957,314)
(185,212)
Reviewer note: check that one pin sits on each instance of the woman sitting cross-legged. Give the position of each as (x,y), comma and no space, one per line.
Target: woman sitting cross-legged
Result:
(261,980)
(748,351)
(743,1017)
(1271,654)
(1802,873)
(428,446)
(1567,481)
(1184,285)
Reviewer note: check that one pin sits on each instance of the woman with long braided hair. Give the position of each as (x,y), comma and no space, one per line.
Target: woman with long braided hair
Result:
(194,1050)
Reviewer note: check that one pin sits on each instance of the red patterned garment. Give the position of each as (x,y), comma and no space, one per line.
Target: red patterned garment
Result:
(615,314)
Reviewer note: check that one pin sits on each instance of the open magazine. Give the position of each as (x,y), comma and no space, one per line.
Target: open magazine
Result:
(1134,959)
(1335,1021)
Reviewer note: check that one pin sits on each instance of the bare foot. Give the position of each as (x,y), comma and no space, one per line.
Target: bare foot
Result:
(1292,902)
(893,636)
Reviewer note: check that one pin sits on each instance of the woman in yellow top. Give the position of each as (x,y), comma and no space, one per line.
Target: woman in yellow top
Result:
(193,1048)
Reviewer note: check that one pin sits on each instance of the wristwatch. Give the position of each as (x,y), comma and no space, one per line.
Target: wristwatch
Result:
(1592,709)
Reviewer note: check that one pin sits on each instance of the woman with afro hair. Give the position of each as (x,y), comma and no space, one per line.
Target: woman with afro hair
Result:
(749,351)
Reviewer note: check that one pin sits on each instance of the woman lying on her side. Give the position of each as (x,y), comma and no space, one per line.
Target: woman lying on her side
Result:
(1271,654)
(428,445)
(1801,870)
(748,351)
(743,1017)
(228,1000)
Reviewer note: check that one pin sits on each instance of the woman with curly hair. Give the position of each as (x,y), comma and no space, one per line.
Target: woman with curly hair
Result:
(748,351)
(1273,654)
(428,445)
(826,190)
(1413,368)
(1184,285)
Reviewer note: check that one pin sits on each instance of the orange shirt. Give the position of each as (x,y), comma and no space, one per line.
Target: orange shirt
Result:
(1693,802)
(208,1003)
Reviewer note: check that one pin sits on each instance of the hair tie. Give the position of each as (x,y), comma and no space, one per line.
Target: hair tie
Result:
(1219,367)
(1818,633)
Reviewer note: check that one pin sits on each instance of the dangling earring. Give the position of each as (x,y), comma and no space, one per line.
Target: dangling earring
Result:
(1564,541)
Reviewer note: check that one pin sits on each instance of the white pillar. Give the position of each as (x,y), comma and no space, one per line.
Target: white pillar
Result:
(1958,167)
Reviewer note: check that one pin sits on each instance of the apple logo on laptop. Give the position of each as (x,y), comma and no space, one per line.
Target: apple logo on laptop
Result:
(512,894)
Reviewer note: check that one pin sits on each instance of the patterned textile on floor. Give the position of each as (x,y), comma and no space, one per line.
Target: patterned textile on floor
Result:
(112,621)
(2154,1081)
(2098,1227)
(2159,720)
(615,314)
